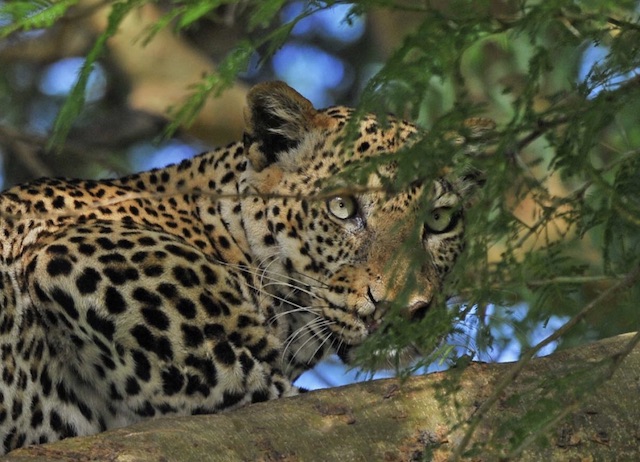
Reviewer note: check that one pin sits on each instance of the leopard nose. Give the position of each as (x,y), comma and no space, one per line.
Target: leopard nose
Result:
(418,310)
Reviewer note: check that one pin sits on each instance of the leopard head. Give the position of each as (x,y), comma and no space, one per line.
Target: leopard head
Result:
(336,253)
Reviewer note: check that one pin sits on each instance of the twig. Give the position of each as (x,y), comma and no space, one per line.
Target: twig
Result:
(616,362)
(23,146)
(571,280)
(30,159)
(10,136)
(629,280)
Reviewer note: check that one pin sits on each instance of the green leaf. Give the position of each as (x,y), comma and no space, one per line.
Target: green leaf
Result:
(211,85)
(24,16)
(196,11)
(76,99)
(264,13)
(150,32)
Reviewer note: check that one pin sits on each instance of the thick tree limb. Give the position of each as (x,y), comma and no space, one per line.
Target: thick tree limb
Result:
(422,419)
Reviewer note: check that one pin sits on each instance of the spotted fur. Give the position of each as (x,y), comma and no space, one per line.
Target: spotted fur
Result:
(207,285)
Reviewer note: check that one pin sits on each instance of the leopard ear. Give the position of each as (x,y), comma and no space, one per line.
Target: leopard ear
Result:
(277,117)
(468,184)
(475,137)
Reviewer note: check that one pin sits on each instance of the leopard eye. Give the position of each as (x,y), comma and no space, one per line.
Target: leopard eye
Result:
(343,207)
(442,219)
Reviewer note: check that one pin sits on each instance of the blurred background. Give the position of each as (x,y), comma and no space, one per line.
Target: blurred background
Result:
(329,58)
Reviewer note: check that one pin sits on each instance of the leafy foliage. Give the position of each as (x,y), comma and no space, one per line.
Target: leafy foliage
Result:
(34,14)
(75,102)
(558,225)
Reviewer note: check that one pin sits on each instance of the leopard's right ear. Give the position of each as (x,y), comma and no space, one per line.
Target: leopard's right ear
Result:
(474,138)
(277,118)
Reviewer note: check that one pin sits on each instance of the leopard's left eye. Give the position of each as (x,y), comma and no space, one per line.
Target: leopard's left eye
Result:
(343,207)
(442,219)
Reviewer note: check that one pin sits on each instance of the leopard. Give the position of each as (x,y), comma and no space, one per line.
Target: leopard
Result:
(213,283)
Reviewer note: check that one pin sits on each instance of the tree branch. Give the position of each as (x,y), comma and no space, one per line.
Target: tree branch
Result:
(394,421)
(629,281)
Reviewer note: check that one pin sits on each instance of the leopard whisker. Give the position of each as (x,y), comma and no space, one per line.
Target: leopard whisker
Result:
(302,329)
(326,338)
(265,268)
(321,284)
(321,325)
(275,279)
(273,282)
(293,287)
(297,309)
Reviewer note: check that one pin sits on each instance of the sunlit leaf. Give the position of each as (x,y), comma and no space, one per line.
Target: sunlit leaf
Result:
(75,101)
(28,15)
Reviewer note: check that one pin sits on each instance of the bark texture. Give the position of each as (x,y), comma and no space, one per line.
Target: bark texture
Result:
(580,404)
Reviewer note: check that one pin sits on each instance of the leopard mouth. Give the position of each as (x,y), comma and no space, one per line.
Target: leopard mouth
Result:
(418,310)
(373,325)
(414,313)
(365,326)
